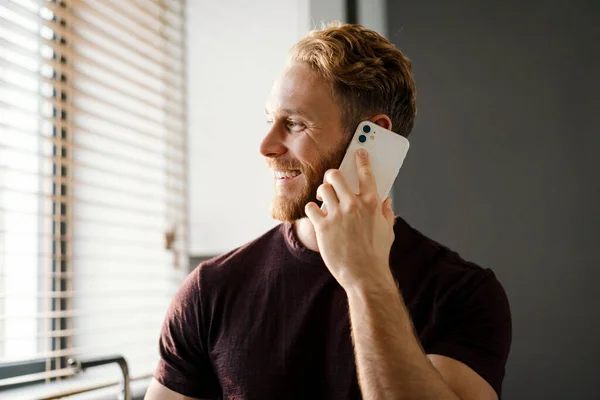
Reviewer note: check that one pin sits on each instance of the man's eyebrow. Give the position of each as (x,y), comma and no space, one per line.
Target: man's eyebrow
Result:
(296,111)
(290,111)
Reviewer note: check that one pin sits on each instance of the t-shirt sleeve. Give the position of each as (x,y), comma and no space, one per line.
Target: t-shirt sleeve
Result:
(184,365)
(475,327)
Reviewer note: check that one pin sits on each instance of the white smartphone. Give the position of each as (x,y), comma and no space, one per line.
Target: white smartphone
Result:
(387,151)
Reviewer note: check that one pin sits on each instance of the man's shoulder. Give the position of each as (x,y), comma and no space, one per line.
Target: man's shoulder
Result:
(438,264)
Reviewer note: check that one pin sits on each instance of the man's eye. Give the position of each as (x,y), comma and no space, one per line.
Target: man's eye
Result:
(295,125)
(269,121)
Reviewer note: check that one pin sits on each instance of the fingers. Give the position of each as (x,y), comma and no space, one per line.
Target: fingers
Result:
(388,212)
(366,177)
(314,213)
(336,179)
(327,195)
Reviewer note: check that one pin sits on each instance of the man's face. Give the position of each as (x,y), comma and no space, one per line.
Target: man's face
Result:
(304,140)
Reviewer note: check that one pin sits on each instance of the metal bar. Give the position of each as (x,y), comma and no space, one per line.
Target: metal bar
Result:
(35,377)
(67,393)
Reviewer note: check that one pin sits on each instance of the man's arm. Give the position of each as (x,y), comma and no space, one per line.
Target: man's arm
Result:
(355,236)
(156,391)
(390,361)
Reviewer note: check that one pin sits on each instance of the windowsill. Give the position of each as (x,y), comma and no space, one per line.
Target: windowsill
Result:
(46,390)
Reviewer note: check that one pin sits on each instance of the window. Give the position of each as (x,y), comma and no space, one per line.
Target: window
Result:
(93,180)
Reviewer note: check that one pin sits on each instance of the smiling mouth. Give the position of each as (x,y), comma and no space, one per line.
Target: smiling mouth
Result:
(285,175)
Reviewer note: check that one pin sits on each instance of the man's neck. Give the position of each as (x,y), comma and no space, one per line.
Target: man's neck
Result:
(306,234)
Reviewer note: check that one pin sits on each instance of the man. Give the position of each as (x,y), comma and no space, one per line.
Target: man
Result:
(344,304)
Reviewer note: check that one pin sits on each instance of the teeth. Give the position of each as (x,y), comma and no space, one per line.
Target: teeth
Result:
(286,174)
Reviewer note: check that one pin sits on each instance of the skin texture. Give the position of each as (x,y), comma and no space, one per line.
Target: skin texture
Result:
(354,236)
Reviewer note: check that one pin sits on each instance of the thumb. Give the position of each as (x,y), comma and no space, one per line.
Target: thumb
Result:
(388,213)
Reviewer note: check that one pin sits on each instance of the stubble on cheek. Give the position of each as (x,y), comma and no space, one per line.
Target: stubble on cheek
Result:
(291,208)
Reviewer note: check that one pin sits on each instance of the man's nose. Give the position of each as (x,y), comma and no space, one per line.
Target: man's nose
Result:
(273,144)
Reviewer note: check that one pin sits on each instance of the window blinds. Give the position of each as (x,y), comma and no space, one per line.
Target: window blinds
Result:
(93,178)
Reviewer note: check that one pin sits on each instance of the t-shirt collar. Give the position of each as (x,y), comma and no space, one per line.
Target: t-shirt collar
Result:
(296,248)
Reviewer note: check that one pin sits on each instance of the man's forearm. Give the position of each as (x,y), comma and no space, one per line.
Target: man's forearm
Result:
(390,361)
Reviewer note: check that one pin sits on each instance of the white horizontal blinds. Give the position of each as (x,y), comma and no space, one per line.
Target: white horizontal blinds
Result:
(129,237)
(93,184)
(30,182)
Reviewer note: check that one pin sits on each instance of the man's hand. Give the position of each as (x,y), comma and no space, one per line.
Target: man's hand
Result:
(356,232)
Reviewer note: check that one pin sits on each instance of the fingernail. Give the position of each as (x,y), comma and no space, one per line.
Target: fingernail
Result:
(362,153)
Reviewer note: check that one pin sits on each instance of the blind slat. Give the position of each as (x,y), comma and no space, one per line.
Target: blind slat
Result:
(139,208)
(30,114)
(112,276)
(131,11)
(73,294)
(124,240)
(28,15)
(125,310)
(131,327)
(60,31)
(119,91)
(82,130)
(141,91)
(130,27)
(33,55)
(77,218)
(137,162)
(80,22)
(11,27)
(142,8)
(104,51)
(105,169)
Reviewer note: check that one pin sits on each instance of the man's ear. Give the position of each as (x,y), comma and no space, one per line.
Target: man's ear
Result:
(382,120)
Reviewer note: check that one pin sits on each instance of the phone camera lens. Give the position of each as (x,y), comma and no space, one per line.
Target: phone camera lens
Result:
(366,129)
(362,138)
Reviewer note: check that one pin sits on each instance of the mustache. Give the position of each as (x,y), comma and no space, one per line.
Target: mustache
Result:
(284,165)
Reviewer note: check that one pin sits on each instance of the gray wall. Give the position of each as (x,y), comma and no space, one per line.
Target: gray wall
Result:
(504,168)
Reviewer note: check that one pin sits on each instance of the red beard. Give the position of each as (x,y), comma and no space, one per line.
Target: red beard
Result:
(286,209)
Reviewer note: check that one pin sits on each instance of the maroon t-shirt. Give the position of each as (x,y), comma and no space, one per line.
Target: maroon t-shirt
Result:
(269,321)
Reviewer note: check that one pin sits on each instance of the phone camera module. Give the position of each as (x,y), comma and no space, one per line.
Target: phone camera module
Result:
(362,138)
(366,129)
